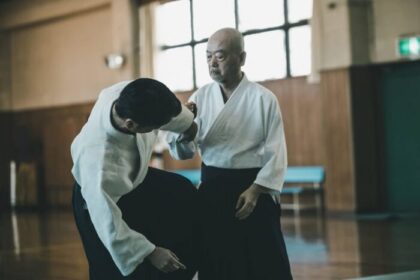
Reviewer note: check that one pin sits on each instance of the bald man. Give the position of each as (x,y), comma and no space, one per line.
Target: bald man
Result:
(242,144)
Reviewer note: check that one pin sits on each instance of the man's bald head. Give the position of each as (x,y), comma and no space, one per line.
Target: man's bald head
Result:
(226,56)
(231,37)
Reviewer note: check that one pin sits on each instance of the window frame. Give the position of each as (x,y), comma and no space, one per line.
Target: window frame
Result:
(285,27)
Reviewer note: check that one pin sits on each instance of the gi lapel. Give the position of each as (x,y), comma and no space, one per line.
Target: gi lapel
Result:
(225,113)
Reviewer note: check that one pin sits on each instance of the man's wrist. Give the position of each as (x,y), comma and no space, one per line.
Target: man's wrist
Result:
(151,253)
(188,130)
(255,189)
(188,135)
(259,189)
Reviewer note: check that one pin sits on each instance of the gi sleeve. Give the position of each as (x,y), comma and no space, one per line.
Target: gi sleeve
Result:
(275,154)
(181,122)
(127,247)
(180,150)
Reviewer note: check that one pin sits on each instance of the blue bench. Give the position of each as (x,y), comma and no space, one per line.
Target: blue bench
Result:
(299,180)
(302,180)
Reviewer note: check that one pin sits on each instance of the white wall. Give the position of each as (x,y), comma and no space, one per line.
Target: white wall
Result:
(334,34)
(52,51)
(61,62)
(359,32)
(392,18)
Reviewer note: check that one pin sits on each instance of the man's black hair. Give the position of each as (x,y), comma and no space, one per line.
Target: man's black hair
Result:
(147,102)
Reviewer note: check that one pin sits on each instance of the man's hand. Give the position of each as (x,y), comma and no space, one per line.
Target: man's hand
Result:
(247,202)
(165,260)
(189,134)
(192,107)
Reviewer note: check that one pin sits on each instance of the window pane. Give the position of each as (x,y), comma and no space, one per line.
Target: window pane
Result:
(202,70)
(300,50)
(211,15)
(173,67)
(173,23)
(266,58)
(260,14)
(299,9)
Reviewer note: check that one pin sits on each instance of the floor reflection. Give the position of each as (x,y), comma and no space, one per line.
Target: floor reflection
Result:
(46,246)
(341,248)
(40,246)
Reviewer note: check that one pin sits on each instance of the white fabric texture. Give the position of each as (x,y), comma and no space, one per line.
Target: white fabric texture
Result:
(245,132)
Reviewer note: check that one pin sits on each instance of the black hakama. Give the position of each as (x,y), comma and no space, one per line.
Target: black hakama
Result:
(162,208)
(232,249)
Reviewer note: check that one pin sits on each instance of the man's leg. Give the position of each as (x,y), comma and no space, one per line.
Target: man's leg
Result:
(101,265)
(163,209)
(266,240)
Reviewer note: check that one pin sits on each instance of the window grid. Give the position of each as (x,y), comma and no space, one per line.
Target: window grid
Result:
(192,44)
(285,27)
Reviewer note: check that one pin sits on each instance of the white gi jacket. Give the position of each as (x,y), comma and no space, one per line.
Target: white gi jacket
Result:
(109,164)
(245,132)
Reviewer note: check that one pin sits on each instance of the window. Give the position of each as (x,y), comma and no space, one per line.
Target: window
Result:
(276,33)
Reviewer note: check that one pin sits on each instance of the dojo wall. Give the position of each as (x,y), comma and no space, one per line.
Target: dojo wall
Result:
(392,19)
(51,71)
(50,68)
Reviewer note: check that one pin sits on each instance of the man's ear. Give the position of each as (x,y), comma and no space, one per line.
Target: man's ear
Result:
(129,124)
(242,58)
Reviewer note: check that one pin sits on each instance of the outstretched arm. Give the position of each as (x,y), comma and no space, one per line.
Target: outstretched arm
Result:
(182,146)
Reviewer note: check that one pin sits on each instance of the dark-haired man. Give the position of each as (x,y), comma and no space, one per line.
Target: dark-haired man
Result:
(133,220)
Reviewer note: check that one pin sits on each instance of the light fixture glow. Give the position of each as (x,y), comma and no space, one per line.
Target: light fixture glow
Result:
(114,60)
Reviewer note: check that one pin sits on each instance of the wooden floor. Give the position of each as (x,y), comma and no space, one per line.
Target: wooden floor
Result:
(47,247)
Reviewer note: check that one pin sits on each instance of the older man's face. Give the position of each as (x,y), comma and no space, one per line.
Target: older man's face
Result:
(224,63)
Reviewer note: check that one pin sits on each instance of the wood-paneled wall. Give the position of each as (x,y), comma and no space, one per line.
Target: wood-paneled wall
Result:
(47,134)
(44,136)
(350,129)
(370,194)
(338,144)
(323,123)
(301,107)
(5,157)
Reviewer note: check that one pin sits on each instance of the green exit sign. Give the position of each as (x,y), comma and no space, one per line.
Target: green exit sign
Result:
(409,46)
